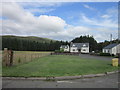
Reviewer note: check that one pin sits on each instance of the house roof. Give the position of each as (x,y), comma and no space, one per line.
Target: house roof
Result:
(79,45)
(64,46)
(110,46)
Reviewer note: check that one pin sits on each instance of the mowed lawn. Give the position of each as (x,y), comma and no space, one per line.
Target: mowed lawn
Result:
(59,65)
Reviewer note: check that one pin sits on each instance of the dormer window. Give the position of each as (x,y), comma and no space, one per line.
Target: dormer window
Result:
(66,47)
(84,45)
(73,45)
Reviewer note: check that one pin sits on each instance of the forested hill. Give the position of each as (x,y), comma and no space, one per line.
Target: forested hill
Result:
(30,38)
(30,43)
(43,44)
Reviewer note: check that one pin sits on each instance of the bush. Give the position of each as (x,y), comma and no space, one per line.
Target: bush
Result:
(112,55)
(105,54)
(116,56)
(59,51)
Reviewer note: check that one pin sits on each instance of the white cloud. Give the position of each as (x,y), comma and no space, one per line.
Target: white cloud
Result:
(105,16)
(88,7)
(60,1)
(40,7)
(40,10)
(109,23)
(21,22)
(112,11)
(103,27)
(28,22)
(40,4)
(69,33)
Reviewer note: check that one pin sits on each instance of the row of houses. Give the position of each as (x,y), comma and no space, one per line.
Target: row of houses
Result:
(84,48)
(76,47)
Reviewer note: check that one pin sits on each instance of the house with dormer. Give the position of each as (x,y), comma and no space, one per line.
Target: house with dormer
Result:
(79,47)
(65,48)
(76,47)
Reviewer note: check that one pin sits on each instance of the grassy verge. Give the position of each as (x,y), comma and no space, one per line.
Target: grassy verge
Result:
(60,65)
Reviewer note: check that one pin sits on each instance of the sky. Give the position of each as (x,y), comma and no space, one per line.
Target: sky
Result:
(60,20)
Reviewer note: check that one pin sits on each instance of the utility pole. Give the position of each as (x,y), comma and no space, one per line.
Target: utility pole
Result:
(110,38)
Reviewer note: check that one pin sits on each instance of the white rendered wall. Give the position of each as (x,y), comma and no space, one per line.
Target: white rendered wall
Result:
(73,48)
(67,49)
(86,50)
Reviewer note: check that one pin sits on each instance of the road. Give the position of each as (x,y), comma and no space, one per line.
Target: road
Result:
(110,81)
(96,57)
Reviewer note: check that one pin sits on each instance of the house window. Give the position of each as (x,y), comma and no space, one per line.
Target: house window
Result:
(84,49)
(105,51)
(73,49)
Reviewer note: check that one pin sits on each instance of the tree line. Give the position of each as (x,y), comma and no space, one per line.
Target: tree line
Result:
(93,44)
(29,45)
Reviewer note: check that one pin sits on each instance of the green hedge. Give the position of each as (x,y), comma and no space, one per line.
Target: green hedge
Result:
(59,51)
(105,54)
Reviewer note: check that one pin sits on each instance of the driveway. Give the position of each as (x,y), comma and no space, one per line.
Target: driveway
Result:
(95,57)
(110,81)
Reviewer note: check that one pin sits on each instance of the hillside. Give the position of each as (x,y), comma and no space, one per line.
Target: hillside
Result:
(29,38)
(30,43)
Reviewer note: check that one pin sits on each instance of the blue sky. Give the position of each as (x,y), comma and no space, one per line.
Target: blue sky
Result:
(61,20)
(71,11)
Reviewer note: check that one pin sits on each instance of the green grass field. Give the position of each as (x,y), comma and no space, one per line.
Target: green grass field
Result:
(59,65)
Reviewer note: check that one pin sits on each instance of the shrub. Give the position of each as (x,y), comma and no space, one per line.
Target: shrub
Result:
(61,50)
(105,54)
(112,55)
(57,51)
(116,56)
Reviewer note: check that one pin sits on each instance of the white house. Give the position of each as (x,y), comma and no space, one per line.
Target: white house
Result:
(65,48)
(79,47)
(112,49)
(76,47)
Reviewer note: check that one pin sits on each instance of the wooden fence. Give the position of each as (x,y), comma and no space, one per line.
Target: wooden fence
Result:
(27,56)
(10,57)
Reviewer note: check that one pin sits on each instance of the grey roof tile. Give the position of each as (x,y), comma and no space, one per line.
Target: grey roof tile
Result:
(79,45)
(110,46)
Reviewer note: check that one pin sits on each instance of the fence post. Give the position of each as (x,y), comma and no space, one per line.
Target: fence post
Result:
(5,57)
(119,58)
(31,57)
(25,58)
(11,57)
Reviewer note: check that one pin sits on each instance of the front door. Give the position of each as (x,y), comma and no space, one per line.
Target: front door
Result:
(79,50)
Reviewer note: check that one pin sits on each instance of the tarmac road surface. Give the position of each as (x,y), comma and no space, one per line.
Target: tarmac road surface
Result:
(109,81)
(96,57)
